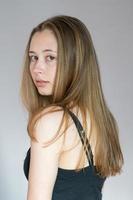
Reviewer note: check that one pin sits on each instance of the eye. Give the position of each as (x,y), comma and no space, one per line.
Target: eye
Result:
(33,58)
(50,58)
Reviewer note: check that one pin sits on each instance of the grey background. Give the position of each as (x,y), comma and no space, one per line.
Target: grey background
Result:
(111,25)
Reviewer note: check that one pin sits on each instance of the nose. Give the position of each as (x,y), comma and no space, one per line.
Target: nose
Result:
(39,67)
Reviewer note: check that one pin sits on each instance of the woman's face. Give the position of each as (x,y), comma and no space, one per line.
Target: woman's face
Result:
(43,61)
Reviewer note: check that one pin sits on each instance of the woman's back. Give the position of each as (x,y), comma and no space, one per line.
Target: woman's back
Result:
(72,145)
(71,185)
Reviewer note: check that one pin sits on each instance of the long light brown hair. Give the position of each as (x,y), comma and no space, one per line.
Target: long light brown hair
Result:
(77,83)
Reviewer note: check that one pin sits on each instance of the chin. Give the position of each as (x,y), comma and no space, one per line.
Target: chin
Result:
(45,93)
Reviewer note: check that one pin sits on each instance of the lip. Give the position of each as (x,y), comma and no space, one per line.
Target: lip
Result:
(41,83)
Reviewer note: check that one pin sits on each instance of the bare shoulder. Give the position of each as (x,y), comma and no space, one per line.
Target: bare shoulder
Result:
(44,161)
(47,126)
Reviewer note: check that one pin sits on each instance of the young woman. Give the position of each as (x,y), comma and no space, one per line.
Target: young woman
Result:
(73,134)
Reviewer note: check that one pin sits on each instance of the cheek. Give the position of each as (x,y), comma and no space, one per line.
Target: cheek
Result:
(53,72)
(31,68)
(31,71)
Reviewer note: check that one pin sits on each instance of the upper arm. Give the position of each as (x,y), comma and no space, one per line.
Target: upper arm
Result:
(44,160)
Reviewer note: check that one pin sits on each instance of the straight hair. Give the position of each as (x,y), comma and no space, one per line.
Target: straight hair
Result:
(77,83)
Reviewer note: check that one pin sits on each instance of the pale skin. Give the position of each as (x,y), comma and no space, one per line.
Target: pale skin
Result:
(43,60)
(44,162)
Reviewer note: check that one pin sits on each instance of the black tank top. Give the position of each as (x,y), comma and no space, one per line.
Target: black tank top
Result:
(85,184)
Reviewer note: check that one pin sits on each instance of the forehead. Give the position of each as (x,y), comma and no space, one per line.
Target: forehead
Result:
(42,40)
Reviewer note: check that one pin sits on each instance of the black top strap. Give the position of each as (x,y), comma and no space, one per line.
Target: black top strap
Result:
(82,135)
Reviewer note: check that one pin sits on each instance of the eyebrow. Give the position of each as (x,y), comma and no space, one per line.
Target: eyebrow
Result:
(46,50)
